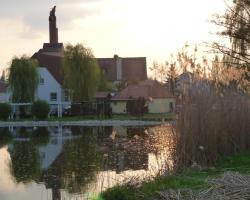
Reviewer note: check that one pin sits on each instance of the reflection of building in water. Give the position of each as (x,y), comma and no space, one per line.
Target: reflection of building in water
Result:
(53,179)
(50,152)
(85,159)
(121,155)
(124,159)
(123,148)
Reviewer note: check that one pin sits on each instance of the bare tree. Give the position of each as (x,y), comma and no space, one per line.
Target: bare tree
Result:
(3,78)
(159,71)
(172,76)
(236,25)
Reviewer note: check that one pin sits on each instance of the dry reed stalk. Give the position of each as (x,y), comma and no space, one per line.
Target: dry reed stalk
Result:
(231,186)
(212,123)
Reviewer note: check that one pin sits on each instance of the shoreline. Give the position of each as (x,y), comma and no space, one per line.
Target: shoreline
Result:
(81,123)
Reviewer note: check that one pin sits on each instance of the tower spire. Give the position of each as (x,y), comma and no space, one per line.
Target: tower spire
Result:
(53,31)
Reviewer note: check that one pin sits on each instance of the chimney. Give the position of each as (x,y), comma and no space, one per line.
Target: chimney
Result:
(118,63)
(53,31)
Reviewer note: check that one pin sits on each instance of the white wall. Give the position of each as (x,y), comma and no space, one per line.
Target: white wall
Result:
(119,107)
(50,86)
(160,105)
(3,97)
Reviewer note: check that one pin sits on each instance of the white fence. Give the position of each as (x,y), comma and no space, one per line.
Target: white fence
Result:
(59,106)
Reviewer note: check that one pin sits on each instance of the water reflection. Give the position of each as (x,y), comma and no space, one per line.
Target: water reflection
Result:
(25,162)
(74,162)
(5,137)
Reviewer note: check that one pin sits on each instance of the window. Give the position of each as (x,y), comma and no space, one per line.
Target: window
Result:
(41,81)
(53,96)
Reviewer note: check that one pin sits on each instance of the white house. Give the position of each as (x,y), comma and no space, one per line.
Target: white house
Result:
(50,59)
(50,86)
(48,89)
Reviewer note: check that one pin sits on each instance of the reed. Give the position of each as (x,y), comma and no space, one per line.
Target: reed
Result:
(213,122)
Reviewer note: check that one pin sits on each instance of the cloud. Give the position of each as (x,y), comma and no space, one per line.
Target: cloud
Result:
(34,14)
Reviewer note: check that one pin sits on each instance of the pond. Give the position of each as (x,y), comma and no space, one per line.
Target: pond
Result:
(79,162)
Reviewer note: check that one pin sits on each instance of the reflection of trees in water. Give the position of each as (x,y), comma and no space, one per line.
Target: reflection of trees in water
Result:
(103,132)
(81,158)
(40,136)
(23,133)
(5,137)
(77,165)
(25,158)
(25,162)
(131,151)
(81,161)
(137,131)
(73,169)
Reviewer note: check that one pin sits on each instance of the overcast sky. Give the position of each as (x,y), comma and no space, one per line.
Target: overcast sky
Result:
(151,28)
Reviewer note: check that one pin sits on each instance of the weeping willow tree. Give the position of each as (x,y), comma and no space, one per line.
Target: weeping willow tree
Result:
(23,79)
(82,74)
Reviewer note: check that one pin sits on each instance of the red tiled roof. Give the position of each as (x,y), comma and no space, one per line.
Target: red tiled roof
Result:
(52,61)
(109,67)
(133,69)
(3,87)
(147,89)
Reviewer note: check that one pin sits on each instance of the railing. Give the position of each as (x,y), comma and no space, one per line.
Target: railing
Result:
(58,104)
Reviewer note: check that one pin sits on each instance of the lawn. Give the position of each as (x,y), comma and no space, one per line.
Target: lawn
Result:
(191,179)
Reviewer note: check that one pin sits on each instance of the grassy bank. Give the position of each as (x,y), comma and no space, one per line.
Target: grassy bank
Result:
(192,179)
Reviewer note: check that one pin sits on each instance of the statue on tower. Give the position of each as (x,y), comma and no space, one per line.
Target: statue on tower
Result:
(53,11)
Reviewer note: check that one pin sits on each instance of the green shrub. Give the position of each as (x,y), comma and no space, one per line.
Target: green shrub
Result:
(40,109)
(5,110)
(119,193)
(137,107)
